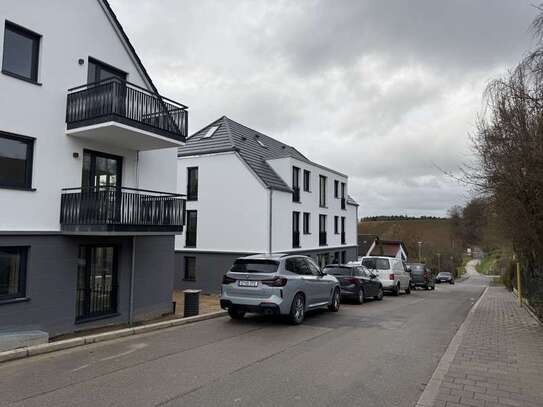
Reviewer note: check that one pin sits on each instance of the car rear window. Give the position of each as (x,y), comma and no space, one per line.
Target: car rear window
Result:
(376,264)
(254,266)
(417,268)
(339,271)
(444,274)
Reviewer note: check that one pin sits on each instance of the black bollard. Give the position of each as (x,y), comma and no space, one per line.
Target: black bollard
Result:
(192,303)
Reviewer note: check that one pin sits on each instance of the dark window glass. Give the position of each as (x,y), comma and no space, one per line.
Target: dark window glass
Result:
(98,71)
(336,189)
(192,183)
(12,272)
(192,220)
(15,160)
(307,180)
(322,223)
(295,177)
(21,52)
(295,229)
(343,257)
(339,271)
(306,222)
(96,281)
(336,257)
(343,190)
(254,266)
(314,269)
(376,263)
(303,267)
(336,224)
(190,269)
(101,169)
(322,190)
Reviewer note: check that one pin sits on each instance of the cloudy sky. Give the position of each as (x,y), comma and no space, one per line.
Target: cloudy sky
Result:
(384,91)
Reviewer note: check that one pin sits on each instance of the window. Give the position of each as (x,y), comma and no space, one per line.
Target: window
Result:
(100,71)
(322,190)
(296,184)
(16,154)
(295,229)
(336,189)
(343,195)
(307,181)
(336,225)
(336,258)
(190,269)
(192,220)
(21,52)
(192,183)
(297,265)
(254,266)
(313,267)
(210,131)
(12,272)
(96,282)
(322,230)
(260,142)
(306,222)
(343,230)
(343,257)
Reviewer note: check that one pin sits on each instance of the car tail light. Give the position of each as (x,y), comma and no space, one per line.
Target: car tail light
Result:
(391,276)
(425,276)
(275,282)
(228,280)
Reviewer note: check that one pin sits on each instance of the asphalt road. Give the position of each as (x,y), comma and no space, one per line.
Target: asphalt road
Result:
(376,354)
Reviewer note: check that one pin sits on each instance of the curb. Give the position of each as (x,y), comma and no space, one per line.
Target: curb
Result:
(527,307)
(428,396)
(21,353)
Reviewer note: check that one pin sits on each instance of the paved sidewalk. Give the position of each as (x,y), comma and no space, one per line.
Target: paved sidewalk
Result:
(499,361)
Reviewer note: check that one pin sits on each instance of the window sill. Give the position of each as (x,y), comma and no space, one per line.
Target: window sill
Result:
(192,199)
(97,318)
(306,234)
(22,78)
(323,206)
(14,300)
(190,247)
(189,281)
(296,247)
(29,189)
(298,202)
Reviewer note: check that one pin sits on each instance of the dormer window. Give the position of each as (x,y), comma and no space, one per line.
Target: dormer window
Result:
(210,131)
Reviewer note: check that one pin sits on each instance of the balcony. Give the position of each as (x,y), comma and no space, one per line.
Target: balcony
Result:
(122,114)
(100,210)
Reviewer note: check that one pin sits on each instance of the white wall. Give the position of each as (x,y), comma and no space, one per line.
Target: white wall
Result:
(283,208)
(70,30)
(232,205)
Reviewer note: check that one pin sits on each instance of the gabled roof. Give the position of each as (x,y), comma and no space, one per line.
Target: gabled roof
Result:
(254,148)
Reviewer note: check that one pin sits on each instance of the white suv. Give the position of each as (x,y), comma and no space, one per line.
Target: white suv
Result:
(391,272)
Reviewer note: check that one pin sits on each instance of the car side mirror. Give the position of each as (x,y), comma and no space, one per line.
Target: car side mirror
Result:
(372,276)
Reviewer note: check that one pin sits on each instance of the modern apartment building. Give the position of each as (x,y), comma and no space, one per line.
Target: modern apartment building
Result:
(249,193)
(88,164)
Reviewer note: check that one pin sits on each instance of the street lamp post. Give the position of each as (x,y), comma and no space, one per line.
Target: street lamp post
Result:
(420,251)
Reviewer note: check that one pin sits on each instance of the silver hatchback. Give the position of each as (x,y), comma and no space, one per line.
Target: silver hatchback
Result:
(278,284)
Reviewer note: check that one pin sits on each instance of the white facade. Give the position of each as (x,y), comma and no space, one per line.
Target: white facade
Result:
(233,207)
(70,32)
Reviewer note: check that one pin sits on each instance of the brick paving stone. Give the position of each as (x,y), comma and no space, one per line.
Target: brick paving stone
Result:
(499,362)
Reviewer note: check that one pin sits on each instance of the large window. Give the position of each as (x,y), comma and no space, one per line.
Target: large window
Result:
(336,225)
(192,220)
(322,190)
(21,52)
(96,282)
(295,184)
(192,183)
(16,161)
(295,229)
(322,230)
(306,223)
(336,188)
(100,71)
(343,195)
(307,181)
(343,230)
(190,269)
(12,272)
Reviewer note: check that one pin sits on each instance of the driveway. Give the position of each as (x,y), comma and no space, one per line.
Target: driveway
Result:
(377,354)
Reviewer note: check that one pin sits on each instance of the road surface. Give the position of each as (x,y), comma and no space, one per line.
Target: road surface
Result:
(376,354)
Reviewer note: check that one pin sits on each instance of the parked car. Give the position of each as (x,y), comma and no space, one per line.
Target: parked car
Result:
(444,277)
(421,276)
(391,272)
(278,284)
(356,282)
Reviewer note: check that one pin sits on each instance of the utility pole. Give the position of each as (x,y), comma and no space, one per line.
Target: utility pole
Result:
(439,262)
(420,252)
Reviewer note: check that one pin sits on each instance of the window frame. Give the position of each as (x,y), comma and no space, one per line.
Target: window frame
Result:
(307,180)
(23,270)
(195,229)
(29,164)
(322,191)
(35,59)
(186,277)
(191,197)
(306,223)
(336,188)
(336,225)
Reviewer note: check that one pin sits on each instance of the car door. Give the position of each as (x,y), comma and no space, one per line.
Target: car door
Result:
(325,283)
(371,285)
(310,285)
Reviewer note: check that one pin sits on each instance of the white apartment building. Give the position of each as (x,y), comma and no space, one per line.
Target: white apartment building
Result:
(248,193)
(88,157)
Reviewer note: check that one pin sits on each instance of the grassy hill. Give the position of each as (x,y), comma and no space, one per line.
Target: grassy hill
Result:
(435,235)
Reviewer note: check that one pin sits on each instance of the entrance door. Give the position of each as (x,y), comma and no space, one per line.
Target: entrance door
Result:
(96,281)
(109,95)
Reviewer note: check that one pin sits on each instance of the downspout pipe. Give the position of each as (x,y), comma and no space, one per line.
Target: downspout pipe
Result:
(270,223)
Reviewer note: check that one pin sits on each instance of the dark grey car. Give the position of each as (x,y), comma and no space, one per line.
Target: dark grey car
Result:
(421,276)
(356,282)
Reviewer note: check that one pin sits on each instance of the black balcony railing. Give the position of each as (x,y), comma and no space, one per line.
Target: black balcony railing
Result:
(97,209)
(295,194)
(296,239)
(322,238)
(343,238)
(342,203)
(118,100)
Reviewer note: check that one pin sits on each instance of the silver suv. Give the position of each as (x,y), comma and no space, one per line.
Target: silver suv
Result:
(278,284)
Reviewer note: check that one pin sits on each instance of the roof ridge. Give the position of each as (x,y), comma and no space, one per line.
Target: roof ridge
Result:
(226,120)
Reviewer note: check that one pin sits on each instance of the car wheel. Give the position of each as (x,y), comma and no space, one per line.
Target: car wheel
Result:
(360,296)
(297,309)
(396,291)
(380,294)
(334,306)
(236,313)
(408,289)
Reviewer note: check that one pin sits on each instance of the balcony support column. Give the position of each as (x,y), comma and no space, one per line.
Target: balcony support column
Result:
(132,279)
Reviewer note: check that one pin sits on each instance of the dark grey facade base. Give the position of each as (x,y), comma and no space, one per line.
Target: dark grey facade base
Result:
(51,281)
(211,266)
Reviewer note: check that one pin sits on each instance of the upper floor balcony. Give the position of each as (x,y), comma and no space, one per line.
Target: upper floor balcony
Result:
(99,210)
(119,113)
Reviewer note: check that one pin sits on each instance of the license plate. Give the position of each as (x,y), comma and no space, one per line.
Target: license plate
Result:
(245,283)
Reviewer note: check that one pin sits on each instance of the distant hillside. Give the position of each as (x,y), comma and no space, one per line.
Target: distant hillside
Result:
(435,235)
